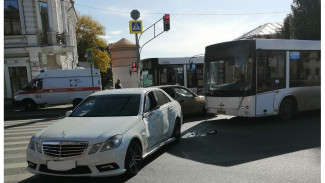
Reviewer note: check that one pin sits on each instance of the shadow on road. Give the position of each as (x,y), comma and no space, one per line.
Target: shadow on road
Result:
(17,113)
(228,142)
(234,141)
(53,179)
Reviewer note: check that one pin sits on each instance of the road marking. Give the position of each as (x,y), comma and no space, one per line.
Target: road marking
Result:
(15,165)
(19,133)
(16,143)
(17,138)
(22,130)
(14,156)
(15,148)
(17,177)
(27,127)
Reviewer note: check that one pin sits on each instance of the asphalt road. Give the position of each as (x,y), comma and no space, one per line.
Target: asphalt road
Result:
(212,149)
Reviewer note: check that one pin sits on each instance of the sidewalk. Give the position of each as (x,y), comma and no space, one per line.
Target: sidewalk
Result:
(49,111)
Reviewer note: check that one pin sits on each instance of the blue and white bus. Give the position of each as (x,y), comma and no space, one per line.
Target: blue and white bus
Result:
(262,77)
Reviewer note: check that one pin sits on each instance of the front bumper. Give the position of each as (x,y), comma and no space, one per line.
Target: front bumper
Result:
(86,165)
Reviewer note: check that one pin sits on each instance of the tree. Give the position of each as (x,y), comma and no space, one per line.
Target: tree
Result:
(304,22)
(88,32)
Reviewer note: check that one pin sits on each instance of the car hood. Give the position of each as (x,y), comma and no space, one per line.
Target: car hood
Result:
(91,129)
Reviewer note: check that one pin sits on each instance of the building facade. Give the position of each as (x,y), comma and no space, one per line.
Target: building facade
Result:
(123,53)
(38,35)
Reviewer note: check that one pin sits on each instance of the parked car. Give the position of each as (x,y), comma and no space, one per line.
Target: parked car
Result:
(107,134)
(191,103)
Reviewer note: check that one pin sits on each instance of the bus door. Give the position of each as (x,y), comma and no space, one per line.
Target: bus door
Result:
(270,79)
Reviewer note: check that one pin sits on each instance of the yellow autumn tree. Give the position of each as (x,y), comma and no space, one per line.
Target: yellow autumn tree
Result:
(88,32)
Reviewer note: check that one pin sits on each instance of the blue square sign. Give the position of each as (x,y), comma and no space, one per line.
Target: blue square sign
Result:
(135,26)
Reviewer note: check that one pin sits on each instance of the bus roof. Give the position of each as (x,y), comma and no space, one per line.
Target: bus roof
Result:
(275,44)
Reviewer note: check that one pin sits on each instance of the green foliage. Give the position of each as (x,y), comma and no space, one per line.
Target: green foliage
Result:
(88,32)
(304,22)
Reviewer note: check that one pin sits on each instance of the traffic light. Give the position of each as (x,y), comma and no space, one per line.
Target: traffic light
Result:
(134,66)
(166,22)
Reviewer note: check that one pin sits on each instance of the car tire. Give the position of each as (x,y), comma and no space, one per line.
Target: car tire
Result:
(133,158)
(29,105)
(287,108)
(177,131)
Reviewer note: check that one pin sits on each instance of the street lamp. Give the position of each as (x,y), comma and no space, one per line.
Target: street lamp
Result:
(190,62)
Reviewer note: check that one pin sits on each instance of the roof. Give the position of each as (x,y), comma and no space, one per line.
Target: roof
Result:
(166,86)
(68,73)
(122,43)
(263,30)
(123,91)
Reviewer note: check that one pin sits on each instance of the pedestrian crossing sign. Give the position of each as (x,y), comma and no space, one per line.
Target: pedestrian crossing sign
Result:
(135,26)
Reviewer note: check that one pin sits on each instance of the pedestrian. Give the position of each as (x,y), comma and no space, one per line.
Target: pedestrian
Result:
(118,84)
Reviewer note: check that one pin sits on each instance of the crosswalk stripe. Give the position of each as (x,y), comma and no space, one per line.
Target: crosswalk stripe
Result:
(22,130)
(17,138)
(20,133)
(26,124)
(17,177)
(15,148)
(27,127)
(16,143)
(14,156)
(15,165)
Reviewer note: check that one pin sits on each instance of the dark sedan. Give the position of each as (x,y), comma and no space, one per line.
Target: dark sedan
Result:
(191,103)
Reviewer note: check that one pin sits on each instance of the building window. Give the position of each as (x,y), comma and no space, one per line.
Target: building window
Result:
(11,18)
(18,78)
(44,16)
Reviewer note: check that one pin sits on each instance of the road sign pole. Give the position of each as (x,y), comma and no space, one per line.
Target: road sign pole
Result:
(138,58)
(92,77)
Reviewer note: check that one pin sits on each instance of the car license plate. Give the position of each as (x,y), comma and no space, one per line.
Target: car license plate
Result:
(220,111)
(61,165)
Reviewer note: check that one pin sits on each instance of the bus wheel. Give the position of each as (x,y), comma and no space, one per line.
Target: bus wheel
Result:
(287,108)
(29,105)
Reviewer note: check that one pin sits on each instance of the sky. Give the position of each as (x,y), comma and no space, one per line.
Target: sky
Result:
(193,24)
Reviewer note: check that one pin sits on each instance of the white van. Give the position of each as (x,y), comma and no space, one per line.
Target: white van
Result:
(58,87)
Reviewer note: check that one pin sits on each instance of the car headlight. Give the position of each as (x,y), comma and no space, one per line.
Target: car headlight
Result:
(95,148)
(112,142)
(38,147)
(31,144)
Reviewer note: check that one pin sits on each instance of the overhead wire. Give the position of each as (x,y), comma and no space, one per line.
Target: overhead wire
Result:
(188,14)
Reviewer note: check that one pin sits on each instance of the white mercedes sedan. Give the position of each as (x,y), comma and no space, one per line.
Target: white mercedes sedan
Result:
(108,134)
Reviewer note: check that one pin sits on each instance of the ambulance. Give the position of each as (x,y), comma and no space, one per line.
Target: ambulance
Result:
(58,87)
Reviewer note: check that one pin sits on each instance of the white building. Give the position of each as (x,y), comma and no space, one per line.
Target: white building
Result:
(38,34)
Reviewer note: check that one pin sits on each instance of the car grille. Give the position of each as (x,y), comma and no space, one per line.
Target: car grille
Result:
(63,149)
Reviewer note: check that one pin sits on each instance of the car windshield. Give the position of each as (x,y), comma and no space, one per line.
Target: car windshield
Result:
(109,105)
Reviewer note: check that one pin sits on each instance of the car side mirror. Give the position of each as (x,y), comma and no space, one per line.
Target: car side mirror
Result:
(68,113)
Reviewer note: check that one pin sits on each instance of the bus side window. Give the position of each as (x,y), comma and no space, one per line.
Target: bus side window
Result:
(271,71)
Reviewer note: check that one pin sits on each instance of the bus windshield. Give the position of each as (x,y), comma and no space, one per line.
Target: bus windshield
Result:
(228,70)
